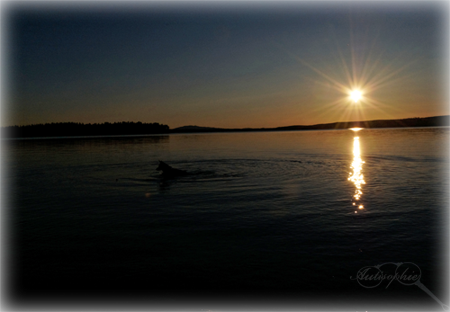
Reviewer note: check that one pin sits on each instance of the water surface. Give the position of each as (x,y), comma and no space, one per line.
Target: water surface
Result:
(265,213)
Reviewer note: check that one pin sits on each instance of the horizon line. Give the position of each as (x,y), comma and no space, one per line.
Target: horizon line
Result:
(190,125)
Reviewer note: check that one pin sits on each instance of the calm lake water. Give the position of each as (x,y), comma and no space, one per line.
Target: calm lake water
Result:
(262,217)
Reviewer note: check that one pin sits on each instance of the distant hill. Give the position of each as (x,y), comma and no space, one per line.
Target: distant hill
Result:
(194,129)
(79,129)
(388,123)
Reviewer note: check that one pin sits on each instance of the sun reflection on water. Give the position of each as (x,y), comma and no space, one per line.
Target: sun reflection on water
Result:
(356,175)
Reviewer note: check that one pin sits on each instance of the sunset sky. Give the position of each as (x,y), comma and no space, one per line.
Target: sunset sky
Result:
(259,64)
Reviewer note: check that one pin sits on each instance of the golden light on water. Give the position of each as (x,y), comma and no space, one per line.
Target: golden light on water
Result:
(356,175)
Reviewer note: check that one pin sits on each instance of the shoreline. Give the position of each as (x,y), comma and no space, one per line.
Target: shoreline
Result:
(166,135)
(437,121)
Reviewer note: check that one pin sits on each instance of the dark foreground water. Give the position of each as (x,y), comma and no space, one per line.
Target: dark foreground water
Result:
(263,220)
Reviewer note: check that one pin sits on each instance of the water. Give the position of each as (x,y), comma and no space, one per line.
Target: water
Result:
(261,215)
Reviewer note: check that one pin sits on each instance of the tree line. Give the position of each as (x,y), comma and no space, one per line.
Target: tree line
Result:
(80,129)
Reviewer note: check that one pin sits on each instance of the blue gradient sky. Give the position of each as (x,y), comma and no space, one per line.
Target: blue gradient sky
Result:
(224,65)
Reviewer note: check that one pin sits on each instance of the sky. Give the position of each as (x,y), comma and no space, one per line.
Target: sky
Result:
(229,65)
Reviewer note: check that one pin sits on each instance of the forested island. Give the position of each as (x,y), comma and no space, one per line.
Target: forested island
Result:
(62,129)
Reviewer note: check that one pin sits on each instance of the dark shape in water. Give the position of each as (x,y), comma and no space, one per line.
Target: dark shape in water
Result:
(168,171)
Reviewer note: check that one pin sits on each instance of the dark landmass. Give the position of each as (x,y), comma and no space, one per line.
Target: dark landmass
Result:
(197,129)
(79,129)
(139,128)
(390,123)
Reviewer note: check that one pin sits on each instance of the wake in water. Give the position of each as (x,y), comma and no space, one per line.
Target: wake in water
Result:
(208,170)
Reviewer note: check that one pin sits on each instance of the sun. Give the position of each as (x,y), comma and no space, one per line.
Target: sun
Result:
(355,95)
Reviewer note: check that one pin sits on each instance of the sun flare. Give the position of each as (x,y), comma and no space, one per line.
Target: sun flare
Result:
(355,95)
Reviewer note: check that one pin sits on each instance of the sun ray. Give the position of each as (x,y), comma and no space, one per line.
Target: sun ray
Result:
(321,73)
